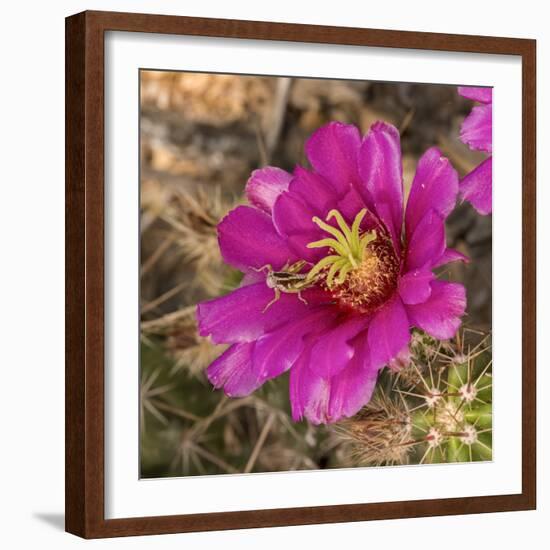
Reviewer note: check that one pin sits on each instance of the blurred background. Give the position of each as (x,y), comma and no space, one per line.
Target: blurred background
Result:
(200,136)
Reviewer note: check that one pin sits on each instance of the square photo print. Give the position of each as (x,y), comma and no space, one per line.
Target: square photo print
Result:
(315,274)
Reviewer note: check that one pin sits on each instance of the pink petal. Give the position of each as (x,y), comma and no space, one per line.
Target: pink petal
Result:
(384,212)
(298,242)
(309,392)
(277,351)
(382,173)
(435,186)
(265,185)
(388,332)
(248,239)
(291,214)
(477,187)
(352,388)
(414,287)
(332,151)
(351,204)
(451,255)
(314,190)
(323,400)
(477,128)
(233,372)
(483,95)
(308,196)
(333,350)
(251,277)
(240,317)
(427,244)
(440,315)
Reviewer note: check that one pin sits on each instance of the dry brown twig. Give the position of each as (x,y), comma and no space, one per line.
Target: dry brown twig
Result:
(379,434)
(193,219)
(259,443)
(164,324)
(191,351)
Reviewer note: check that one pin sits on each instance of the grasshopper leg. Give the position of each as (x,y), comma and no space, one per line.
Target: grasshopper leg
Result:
(302,299)
(277,296)
(260,269)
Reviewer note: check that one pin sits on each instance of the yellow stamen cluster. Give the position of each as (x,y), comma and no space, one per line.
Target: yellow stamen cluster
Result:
(348,244)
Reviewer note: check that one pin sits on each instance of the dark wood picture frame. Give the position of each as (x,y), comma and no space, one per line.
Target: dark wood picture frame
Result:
(85,274)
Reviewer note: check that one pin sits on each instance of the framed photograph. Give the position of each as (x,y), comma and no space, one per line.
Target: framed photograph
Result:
(300,274)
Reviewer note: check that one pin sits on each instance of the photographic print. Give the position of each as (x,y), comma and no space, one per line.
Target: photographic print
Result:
(280,249)
(315,274)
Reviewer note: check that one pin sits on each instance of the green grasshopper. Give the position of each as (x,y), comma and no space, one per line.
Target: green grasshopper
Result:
(289,280)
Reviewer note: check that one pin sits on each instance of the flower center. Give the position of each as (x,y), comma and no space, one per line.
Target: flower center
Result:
(362,268)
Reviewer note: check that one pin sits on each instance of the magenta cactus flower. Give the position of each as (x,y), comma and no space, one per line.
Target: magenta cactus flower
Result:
(477,132)
(336,272)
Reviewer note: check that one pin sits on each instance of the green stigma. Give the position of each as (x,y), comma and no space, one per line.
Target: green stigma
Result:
(348,244)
